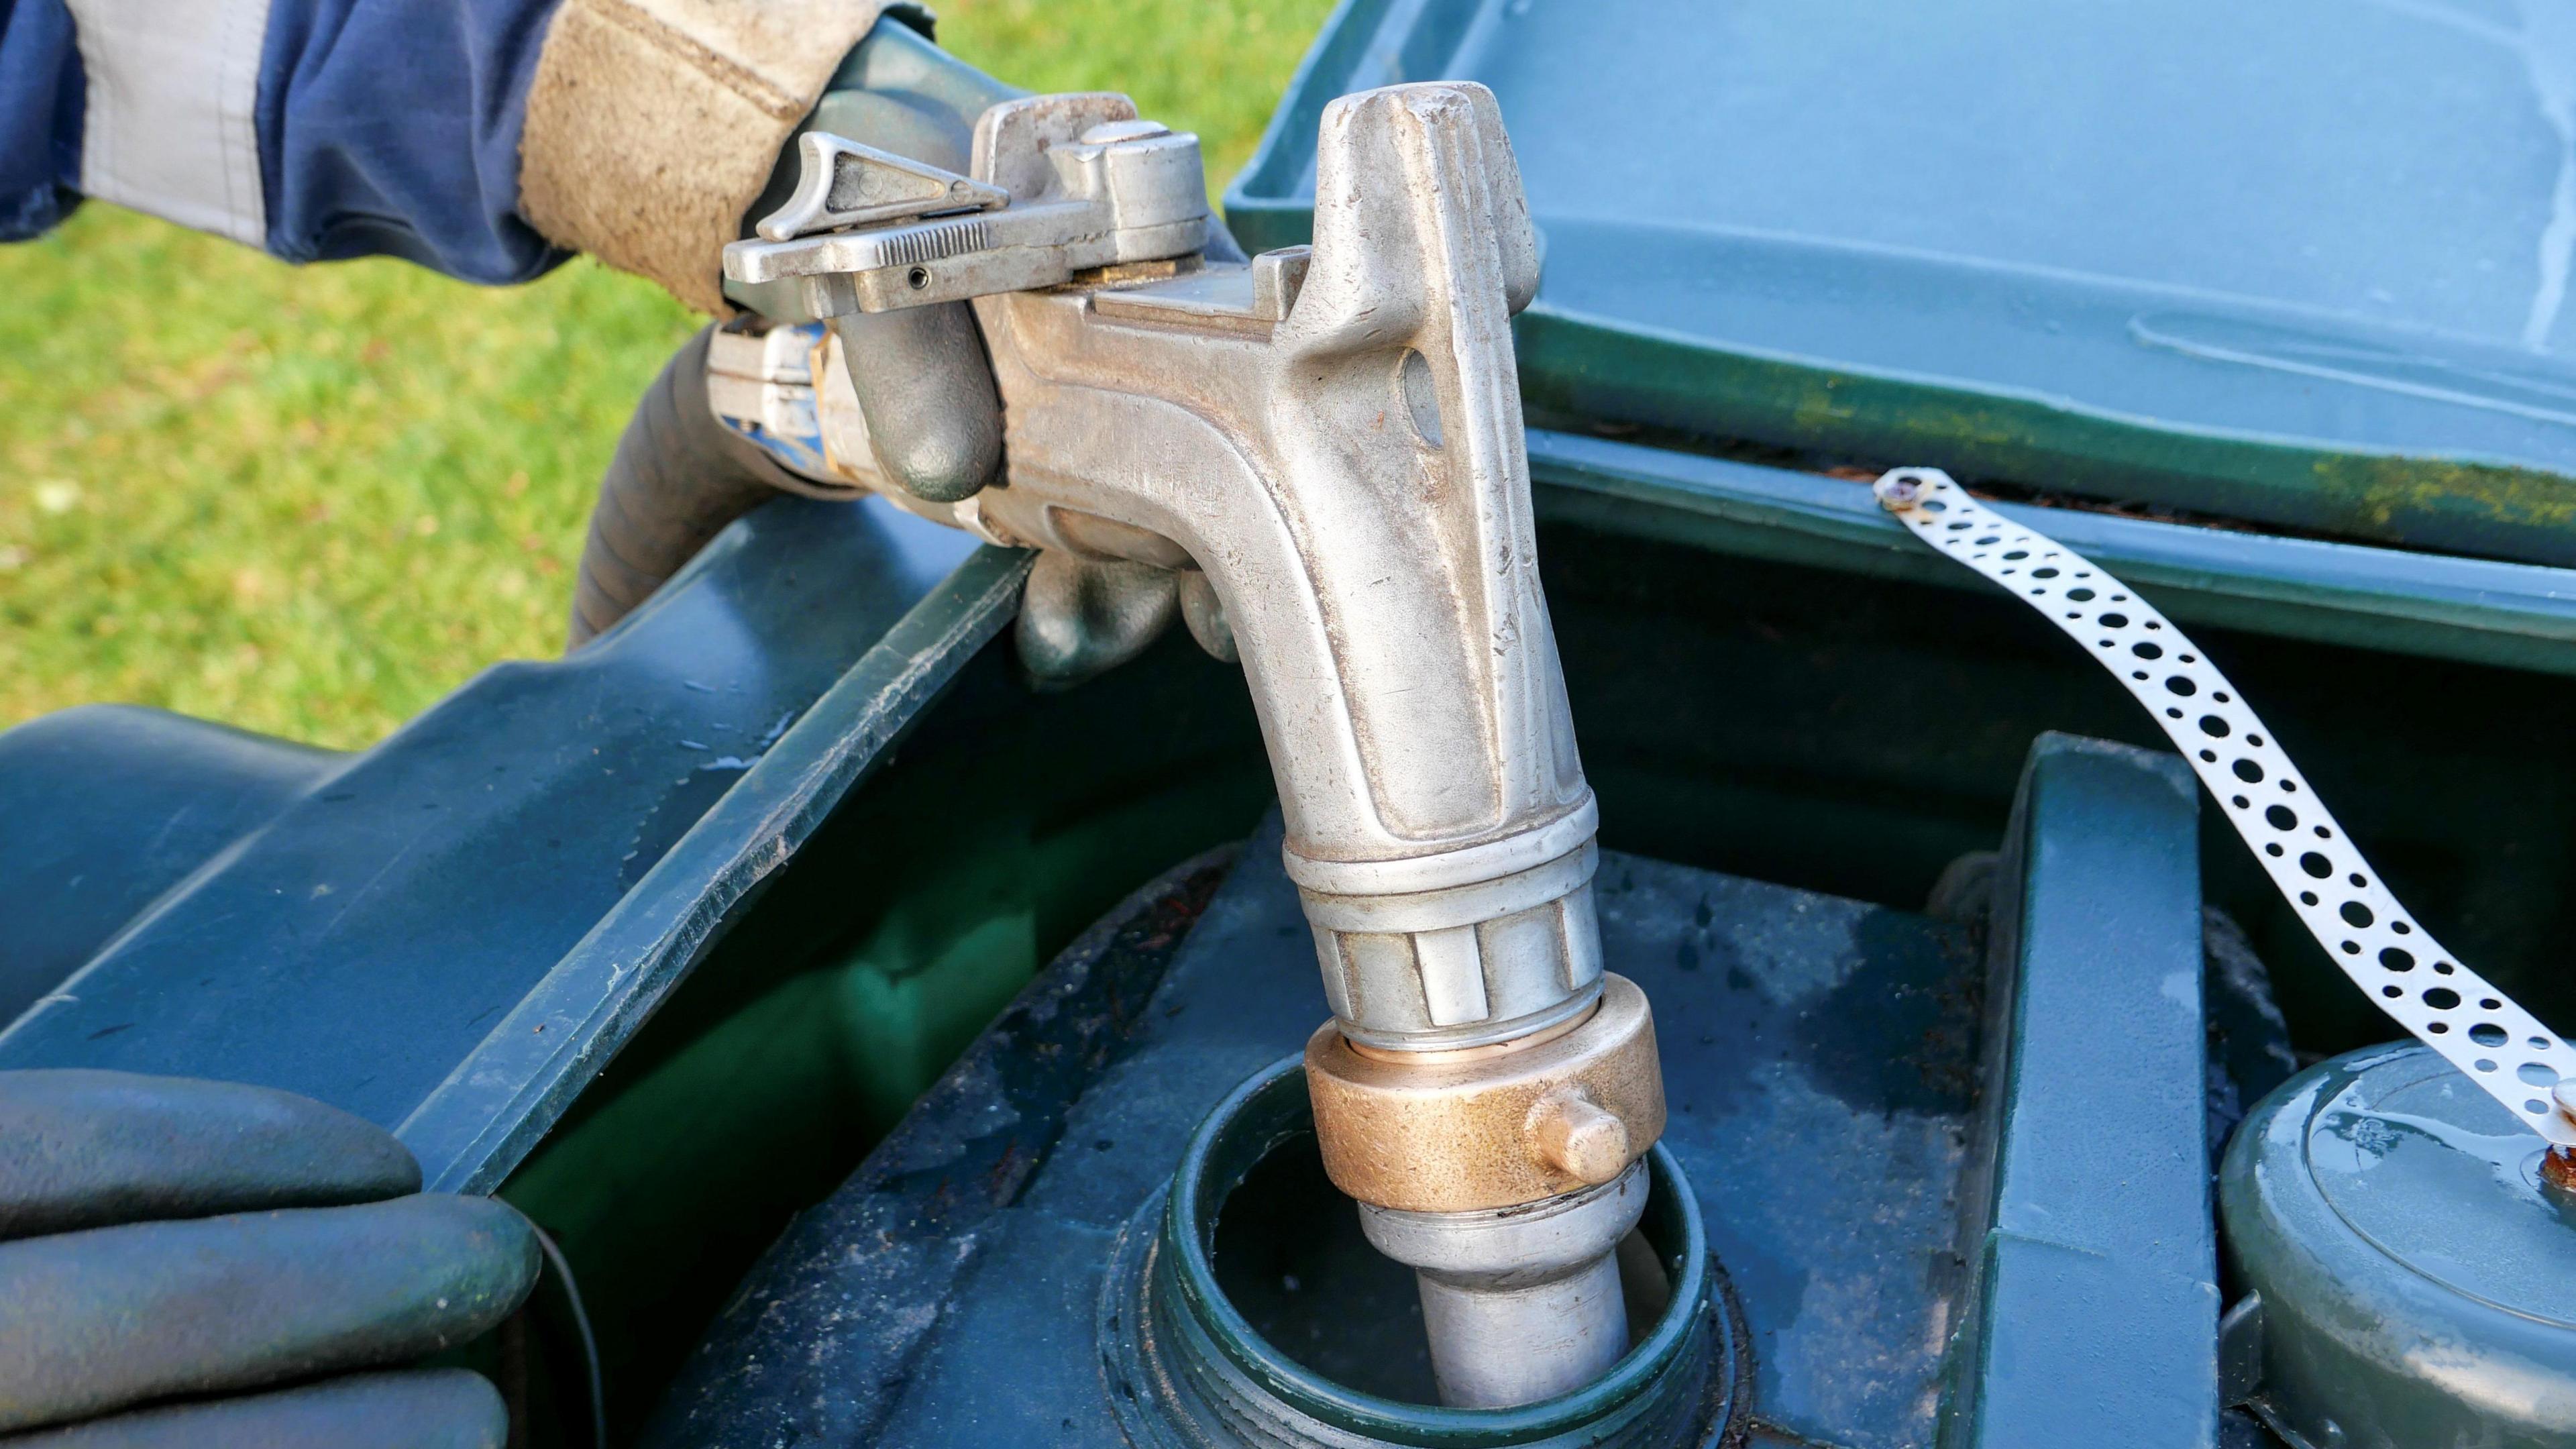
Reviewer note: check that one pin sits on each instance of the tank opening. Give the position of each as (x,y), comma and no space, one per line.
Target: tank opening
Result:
(1290,1257)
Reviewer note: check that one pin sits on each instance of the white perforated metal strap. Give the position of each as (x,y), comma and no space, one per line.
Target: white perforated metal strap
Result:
(2338,897)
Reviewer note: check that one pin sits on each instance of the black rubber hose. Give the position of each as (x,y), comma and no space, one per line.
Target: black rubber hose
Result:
(678,478)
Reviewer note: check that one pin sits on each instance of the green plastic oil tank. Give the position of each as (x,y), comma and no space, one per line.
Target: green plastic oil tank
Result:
(2303,263)
(2413,1278)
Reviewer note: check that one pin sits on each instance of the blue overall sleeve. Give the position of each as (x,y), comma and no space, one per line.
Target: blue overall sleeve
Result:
(40,117)
(317,129)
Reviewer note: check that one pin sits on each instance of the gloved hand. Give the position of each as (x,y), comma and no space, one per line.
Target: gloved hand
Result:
(934,418)
(923,386)
(166,1239)
(656,131)
(935,421)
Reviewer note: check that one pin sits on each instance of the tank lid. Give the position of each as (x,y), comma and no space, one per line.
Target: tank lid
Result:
(2409,1269)
(2429,1170)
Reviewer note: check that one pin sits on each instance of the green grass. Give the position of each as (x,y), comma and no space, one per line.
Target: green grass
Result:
(310,501)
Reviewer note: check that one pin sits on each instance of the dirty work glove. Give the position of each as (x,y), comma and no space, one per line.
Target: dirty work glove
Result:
(934,418)
(679,477)
(269,1260)
(657,131)
(919,375)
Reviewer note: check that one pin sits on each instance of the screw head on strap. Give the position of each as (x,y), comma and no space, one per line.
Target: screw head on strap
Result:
(1898,491)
